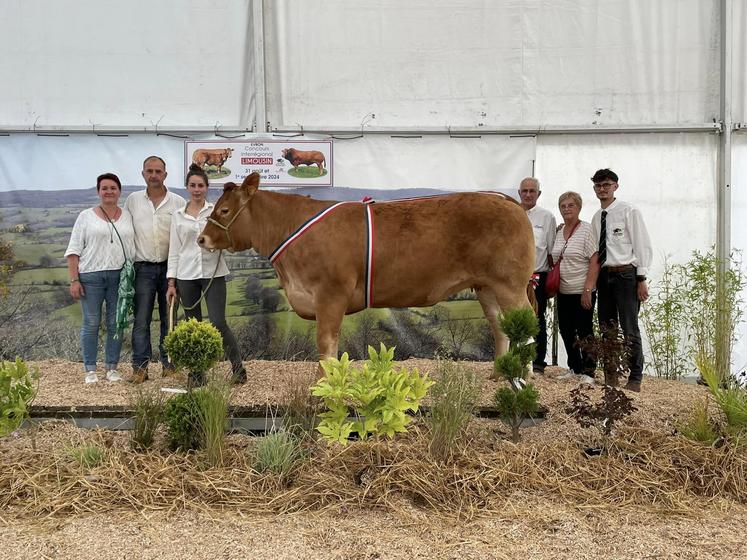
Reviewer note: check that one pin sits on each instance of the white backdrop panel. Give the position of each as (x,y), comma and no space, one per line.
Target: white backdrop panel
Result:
(28,161)
(670,177)
(455,164)
(468,63)
(134,63)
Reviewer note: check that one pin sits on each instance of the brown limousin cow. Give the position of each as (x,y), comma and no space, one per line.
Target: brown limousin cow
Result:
(217,157)
(297,157)
(424,251)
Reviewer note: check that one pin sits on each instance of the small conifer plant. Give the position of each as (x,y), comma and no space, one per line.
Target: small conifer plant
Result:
(519,399)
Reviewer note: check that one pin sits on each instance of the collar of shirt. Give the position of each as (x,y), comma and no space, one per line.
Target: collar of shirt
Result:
(165,197)
(206,208)
(611,207)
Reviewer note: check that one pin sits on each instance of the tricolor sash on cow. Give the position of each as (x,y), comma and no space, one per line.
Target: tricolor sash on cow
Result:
(369,257)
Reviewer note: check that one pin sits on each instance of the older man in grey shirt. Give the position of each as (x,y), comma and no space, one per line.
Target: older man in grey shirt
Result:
(544,227)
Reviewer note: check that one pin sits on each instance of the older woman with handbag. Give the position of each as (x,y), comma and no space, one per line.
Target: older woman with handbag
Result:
(101,241)
(572,252)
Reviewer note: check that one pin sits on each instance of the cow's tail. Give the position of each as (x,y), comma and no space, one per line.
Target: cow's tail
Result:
(530,295)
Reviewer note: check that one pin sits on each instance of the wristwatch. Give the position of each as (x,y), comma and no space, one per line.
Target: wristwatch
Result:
(640,278)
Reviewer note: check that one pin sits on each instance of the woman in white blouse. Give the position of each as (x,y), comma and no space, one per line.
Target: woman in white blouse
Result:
(192,270)
(95,256)
(576,296)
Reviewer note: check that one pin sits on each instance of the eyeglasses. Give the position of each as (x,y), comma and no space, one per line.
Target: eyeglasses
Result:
(600,186)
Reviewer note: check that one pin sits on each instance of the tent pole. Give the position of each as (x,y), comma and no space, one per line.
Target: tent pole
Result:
(723,328)
(260,93)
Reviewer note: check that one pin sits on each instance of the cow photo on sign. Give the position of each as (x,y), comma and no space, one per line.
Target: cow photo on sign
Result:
(337,258)
(307,158)
(211,161)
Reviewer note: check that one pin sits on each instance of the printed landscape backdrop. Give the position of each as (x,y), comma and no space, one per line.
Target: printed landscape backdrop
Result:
(41,197)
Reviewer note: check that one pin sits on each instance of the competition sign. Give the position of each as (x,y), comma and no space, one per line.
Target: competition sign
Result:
(280,163)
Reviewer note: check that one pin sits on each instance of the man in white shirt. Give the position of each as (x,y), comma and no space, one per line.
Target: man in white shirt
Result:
(624,253)
(545,227)
(151,211)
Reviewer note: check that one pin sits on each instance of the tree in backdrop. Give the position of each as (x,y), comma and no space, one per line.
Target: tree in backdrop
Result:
(357,340)
(253,289)
(47,261)
(413,338)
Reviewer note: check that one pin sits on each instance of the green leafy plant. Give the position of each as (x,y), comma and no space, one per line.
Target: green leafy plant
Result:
(17,391)
(378,394)
(181,416)
(664,318)
(148,407)
(194,345)
(212,416)
(453,398)
(714,308)
(89,456)
(278,452)
(698,426)
(520,399)
(730,398)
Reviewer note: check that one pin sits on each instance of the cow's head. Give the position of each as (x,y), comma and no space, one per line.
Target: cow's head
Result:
(288,153)
(229,152)
(229,226)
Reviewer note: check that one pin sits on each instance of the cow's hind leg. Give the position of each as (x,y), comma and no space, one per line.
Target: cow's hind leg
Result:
(497,300)
(492,311)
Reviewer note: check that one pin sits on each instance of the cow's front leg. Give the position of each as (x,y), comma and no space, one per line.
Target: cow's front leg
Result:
(328,322)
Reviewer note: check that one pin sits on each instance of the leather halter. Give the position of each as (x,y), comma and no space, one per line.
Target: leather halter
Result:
(227,227)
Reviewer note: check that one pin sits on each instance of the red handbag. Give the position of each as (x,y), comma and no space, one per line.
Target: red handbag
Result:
(552,282)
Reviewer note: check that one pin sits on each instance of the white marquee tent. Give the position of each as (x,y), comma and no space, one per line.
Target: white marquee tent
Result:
(444,94)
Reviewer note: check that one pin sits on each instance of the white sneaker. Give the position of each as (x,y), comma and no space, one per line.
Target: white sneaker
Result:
(91,377)
(113,376)
(586,379)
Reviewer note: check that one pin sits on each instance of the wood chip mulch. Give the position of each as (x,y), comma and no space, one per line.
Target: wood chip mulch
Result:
(524,522)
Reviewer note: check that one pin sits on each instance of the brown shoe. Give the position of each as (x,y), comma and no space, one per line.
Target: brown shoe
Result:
(634,386)
(170,372)
(139,375)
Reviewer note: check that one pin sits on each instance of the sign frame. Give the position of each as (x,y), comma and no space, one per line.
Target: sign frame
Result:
(273,159)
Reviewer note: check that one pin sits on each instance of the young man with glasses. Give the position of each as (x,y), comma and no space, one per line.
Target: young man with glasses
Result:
(624,256)
(544,226)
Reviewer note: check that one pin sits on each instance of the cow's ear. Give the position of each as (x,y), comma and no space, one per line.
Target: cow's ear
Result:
(251,183)
(229,186)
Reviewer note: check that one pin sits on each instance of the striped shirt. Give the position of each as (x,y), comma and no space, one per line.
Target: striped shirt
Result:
(575,263)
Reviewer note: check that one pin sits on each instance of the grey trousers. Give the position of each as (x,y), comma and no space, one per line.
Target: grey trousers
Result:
(215,298)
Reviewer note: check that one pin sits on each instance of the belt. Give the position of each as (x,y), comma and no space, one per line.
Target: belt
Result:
(151,263)
(621,268)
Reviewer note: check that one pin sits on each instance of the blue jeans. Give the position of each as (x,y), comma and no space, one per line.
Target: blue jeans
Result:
(99,287)
(150,283)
